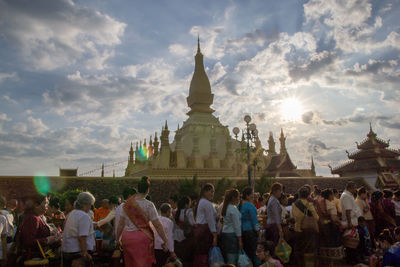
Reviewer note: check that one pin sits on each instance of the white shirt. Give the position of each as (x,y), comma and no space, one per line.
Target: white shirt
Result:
(348,202)
(262,209)
(289,209)
(206,214)
(118,211)
(149,210)
(396,207)
(3,231)
(10,222)
(178,232)
(168,226)
(78,223)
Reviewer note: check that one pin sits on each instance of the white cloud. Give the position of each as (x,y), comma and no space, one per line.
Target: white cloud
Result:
(20,127)
(10,100)
(52,34)
(4,76)
(178,50)
(211,45)
(149,88)
(35,126)
(217,72)
(4,117)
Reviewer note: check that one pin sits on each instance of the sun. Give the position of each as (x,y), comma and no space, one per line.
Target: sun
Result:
(291,109)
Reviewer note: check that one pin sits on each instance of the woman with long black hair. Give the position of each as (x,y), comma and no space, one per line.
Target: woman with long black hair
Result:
(183,231)
(231,236)
(205,232)
(250,224)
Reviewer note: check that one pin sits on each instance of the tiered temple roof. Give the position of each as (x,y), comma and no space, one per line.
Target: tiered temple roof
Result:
(373,154)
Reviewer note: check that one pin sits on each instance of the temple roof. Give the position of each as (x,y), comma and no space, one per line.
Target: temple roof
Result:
(368,164)
(200,97)
(281,162)
(386,180)
(372,141)
(374,153)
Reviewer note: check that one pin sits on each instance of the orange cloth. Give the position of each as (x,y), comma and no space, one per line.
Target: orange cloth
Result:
(100,213)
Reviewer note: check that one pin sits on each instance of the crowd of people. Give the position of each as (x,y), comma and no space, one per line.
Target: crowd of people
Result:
(321,227)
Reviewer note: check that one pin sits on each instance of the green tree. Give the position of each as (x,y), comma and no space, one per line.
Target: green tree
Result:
(221,186)
(189,187)
(241,185)
(67,194)
(263,185)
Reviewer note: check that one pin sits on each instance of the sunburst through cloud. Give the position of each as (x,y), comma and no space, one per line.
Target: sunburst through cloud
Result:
(291,109)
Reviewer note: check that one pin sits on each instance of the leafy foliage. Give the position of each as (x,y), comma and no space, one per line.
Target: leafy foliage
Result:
(241,185)
(221,186)
(189,187)
(67,194)
(263,185)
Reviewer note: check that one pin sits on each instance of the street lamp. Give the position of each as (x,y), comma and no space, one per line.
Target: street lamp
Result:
(251,136)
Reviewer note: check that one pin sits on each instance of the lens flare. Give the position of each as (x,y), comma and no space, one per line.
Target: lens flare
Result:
(143,153)
(42,184)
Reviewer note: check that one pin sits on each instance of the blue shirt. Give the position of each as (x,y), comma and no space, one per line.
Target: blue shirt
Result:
(391,257)
(249,217)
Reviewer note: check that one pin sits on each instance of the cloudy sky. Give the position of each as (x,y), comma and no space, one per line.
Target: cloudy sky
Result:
(80,80)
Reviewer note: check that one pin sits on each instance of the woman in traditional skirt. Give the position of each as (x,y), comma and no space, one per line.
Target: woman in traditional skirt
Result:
(330,246)
(134,225)
(205,232)
(231,237)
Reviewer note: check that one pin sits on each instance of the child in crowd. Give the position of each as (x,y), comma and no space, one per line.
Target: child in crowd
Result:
(160,253)
(365,245)
(265,253)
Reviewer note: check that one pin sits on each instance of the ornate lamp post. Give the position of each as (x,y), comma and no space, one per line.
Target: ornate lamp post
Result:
(251,136)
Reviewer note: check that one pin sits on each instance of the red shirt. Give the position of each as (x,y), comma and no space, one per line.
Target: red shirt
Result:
(33,228)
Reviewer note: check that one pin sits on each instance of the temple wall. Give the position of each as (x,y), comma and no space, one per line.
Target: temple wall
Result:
(21,187)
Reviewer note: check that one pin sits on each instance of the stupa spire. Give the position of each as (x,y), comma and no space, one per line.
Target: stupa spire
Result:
(271,144)
(200,97)
(312,164)
(371,133)
(198,44)
(282,140)
(131,154)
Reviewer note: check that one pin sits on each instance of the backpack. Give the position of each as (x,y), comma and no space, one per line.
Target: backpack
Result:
(308,223)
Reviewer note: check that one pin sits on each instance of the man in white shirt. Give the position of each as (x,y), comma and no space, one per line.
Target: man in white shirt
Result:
(350,209)
(168,225)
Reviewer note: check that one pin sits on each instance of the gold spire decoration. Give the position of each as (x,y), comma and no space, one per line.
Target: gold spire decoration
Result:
(200,97)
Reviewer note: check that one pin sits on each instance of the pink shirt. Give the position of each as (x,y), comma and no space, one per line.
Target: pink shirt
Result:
(168,226)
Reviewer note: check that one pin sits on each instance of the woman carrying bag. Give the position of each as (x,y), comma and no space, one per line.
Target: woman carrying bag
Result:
(306,227)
